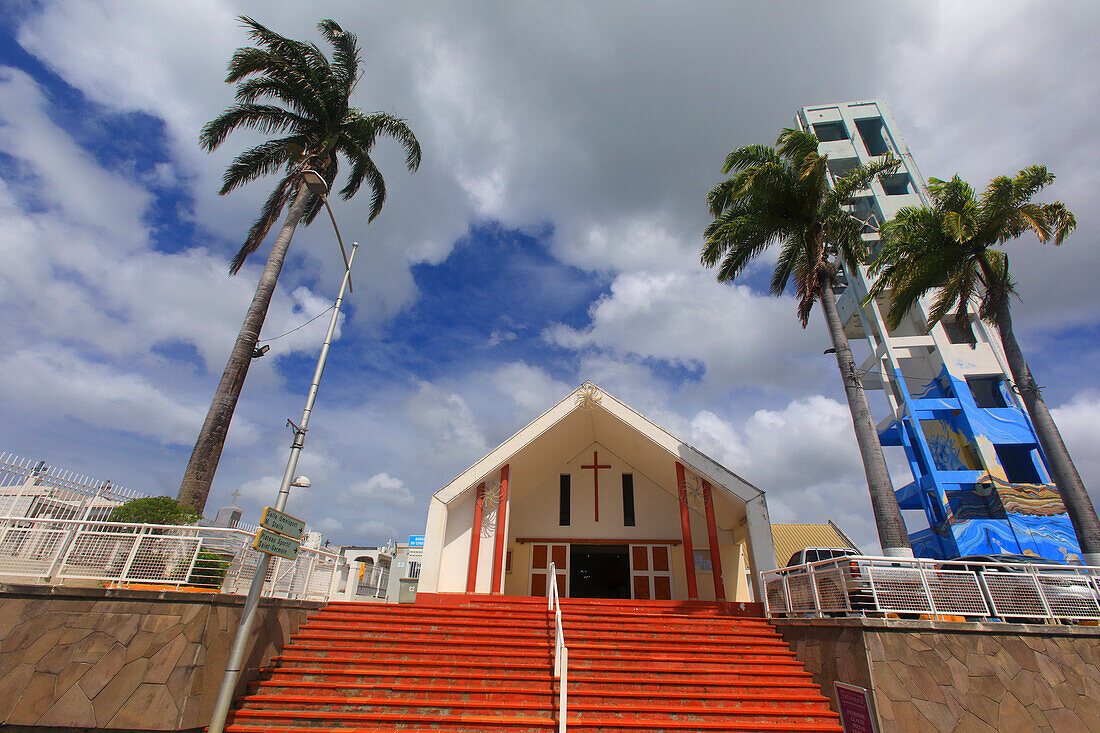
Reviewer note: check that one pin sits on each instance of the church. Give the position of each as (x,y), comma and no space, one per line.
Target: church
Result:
(618,506)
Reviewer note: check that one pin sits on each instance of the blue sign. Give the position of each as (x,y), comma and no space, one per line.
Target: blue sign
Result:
(416,540)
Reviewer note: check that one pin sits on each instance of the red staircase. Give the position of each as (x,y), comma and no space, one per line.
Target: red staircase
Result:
(486,665)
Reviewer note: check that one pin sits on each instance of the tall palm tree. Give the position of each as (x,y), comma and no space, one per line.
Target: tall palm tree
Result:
(309,106)
(781,196)
(949,250)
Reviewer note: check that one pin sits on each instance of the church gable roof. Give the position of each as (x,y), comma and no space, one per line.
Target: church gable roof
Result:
(589,415)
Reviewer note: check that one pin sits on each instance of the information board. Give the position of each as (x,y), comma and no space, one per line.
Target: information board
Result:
(273,543)
(855,708)
(282,523)
(416,540)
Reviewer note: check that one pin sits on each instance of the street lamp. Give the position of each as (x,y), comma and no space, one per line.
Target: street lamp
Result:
(316,183)
(252,601)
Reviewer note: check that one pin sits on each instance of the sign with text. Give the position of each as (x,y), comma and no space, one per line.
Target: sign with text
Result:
(273,543)
(855,708)
(416,540)
(276,521)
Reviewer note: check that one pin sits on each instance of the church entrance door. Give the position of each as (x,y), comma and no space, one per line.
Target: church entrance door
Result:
(542,554)
(599,571)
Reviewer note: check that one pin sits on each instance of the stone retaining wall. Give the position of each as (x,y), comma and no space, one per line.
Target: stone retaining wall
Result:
(125,660)
(938,676)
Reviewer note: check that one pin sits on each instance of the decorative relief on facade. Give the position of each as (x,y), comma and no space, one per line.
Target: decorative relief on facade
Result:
(587,396)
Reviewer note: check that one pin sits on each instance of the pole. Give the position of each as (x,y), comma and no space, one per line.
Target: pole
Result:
(252,601)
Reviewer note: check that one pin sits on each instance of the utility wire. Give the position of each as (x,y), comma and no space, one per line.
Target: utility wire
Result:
(311,320)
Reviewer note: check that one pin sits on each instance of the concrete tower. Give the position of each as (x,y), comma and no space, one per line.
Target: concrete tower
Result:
(978,474)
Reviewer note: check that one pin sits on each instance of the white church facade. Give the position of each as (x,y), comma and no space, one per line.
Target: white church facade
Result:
(619,506)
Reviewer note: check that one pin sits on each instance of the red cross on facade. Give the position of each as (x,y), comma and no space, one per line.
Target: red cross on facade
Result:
(596,480)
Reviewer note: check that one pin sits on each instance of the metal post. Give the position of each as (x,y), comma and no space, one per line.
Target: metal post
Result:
(252,601)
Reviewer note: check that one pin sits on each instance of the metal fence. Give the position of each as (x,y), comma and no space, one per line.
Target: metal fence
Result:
(916,588)
(116,554)
(30,488)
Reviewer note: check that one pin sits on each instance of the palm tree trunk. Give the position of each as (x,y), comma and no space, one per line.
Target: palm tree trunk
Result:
(884,503)
(1074,495)
(195,486)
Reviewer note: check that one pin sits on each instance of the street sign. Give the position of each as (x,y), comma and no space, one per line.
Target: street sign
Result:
(416,540)
(276,544)
(276,521)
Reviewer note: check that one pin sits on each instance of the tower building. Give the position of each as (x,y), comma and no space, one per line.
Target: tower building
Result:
(978,474)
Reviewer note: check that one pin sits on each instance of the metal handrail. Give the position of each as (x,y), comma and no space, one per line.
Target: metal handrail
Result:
(862,585)
(54,551)
(561,652)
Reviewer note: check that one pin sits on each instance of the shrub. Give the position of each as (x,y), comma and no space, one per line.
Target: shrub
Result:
(209,570)
(155,510)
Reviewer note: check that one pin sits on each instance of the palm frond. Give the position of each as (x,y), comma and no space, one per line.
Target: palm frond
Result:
(263,118)
(268,216)
(748,157)
(1062,221)
(345,52)
(260,160)
(394,127)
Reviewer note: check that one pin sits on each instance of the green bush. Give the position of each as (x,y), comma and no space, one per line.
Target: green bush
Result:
(209,570)
(155,510)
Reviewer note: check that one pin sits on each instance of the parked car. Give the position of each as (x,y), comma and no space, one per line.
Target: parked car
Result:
(841,584)
(1016,586)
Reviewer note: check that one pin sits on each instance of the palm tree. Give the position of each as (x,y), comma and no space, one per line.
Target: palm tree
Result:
(781,196)
(309,105)
(949,249)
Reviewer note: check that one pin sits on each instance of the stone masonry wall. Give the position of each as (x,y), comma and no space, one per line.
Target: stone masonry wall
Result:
(937,676)
(125,660)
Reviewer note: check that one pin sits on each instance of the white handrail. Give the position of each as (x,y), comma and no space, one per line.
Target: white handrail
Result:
(981,591)
(561,652)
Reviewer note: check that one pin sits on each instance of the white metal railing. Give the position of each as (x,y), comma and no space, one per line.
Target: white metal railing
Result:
(561,652)
(30,488)
(887,586)
(50,550)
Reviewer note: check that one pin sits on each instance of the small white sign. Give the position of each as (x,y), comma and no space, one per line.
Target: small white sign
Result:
(273,543)
(282,523)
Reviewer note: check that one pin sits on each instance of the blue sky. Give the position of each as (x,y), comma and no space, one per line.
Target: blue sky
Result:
(550,237)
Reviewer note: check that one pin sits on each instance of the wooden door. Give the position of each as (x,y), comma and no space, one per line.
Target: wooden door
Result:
(542,554)
(650,573)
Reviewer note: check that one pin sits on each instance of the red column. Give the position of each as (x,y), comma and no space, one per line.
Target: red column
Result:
(475,541)
(685,529)
(501,538)
(712,535)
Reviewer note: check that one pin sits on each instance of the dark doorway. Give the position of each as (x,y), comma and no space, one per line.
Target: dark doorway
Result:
(599,571)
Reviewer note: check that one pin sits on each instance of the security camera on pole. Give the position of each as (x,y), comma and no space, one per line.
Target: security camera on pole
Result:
(271,540)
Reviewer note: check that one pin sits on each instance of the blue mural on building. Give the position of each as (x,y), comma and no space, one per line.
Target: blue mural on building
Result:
(975,508)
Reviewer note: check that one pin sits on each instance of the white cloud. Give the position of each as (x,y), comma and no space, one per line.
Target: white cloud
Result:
(373,532)
(329,526)
(1077,421)
(446,420)
(59,383)
(383,488)
(804,456)
(740,338)
(531,389)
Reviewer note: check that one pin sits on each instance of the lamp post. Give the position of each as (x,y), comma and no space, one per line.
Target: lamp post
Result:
(317,184)
(252,601)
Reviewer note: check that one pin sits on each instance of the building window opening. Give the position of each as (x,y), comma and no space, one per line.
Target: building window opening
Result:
(870,131)
(896,185)
(563,501)
(955,334)
(1018,463)
(628,500)
(987,391)
(828,132)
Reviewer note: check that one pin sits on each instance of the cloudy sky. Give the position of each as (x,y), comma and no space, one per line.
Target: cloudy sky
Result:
(550,237)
